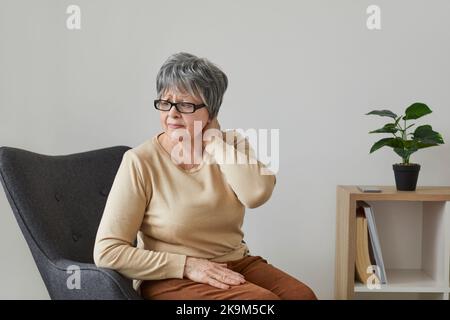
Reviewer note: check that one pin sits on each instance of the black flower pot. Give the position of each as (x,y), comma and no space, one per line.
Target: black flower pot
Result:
(406,176)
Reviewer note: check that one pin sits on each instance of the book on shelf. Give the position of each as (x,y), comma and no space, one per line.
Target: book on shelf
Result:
(368,249)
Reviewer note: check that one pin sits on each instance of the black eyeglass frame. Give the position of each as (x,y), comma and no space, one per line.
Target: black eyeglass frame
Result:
(175,104)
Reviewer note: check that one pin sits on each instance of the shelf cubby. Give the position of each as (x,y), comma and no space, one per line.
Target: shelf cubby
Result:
(414,232)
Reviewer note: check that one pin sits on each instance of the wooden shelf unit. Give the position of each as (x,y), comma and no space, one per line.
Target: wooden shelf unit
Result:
(414,232)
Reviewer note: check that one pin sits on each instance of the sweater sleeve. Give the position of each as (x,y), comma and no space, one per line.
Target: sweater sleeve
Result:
(120,223)
(250,179)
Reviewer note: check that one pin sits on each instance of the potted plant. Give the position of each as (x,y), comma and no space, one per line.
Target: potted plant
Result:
(404,143)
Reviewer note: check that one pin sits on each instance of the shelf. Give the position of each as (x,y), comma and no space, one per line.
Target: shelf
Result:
(414,232)
(422,193)
(406,280)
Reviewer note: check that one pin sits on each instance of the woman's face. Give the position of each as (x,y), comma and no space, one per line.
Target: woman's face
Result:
(169,119)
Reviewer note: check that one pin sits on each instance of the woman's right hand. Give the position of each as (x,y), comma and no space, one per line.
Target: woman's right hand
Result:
(212,273)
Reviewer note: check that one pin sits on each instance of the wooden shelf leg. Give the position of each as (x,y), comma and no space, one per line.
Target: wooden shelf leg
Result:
(345,245)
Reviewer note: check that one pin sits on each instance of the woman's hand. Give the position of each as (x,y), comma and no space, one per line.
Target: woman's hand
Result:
(212,273)
(212,124)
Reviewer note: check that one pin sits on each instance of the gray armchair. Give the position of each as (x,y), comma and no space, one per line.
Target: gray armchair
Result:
(58,202)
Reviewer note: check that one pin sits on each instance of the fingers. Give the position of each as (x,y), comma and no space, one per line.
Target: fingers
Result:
(216,123)
(226,276)
(212,124)
(212,273)
(217,284)
(232,273)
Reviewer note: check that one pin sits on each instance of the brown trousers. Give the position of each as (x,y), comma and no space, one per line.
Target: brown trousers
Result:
(263,282)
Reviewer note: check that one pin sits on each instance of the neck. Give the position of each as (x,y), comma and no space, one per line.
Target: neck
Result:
(191,149)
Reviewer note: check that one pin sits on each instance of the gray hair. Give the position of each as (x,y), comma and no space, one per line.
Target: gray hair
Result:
(187,73)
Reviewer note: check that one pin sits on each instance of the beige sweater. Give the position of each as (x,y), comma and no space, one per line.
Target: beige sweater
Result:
(175,213)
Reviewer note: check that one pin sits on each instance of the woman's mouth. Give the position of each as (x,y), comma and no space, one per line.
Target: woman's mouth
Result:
(174,126)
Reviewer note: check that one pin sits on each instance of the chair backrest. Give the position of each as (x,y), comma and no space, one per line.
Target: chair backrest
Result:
(58,201)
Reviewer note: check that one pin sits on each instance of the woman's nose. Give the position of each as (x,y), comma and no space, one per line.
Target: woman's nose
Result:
(173,112)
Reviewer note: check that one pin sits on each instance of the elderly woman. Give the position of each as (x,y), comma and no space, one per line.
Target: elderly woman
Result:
(187,215)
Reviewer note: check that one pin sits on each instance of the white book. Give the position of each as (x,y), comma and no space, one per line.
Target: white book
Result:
(375,242)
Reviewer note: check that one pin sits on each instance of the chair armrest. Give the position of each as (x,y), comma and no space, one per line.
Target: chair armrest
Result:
(94,283)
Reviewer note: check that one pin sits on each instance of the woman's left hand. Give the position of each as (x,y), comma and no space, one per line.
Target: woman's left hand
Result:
(213,124)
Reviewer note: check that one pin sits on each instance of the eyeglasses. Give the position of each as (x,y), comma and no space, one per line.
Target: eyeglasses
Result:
(182,107)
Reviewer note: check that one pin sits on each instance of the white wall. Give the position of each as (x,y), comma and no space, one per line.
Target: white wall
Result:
(309,68)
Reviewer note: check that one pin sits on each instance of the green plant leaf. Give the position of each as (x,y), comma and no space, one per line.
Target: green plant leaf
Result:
(405,153)
(433,140)
(388,142)
(416,110)
(383,113)
(421,145)
(425,134)
(388,128)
